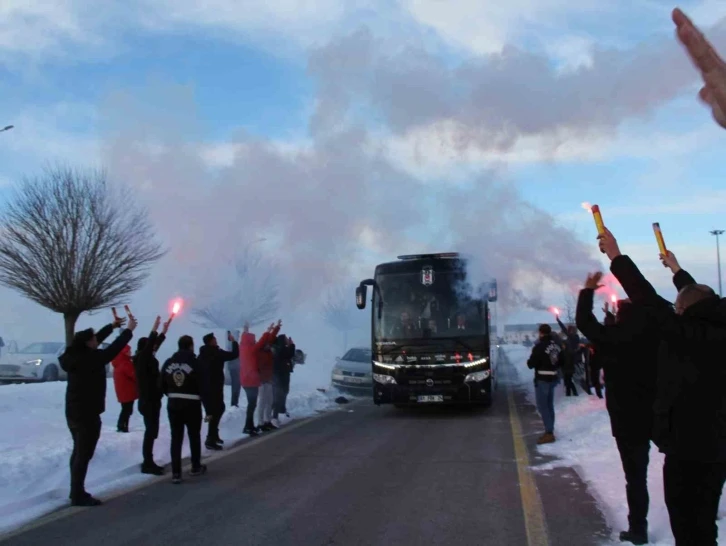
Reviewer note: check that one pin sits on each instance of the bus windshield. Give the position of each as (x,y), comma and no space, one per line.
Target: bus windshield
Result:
(441,308)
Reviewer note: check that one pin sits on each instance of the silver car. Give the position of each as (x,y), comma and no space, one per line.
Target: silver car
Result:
(37,362)
(352,373)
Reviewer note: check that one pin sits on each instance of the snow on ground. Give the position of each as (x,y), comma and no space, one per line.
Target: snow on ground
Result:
(35,444)
(585,442)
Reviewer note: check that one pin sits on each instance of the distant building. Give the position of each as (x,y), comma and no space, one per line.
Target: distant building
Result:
(520,333)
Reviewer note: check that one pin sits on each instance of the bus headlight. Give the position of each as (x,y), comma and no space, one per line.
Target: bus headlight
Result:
(477,376)
(384,379)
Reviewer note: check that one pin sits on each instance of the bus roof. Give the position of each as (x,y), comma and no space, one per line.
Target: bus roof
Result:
(437,256)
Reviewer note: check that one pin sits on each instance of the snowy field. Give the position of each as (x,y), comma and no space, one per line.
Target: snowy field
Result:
(36,445)
(585,442)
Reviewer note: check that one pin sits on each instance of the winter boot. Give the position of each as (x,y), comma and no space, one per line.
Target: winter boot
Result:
(152,468)
(176,479)
(202,469)
(546,438)
(634,536)
(86,501)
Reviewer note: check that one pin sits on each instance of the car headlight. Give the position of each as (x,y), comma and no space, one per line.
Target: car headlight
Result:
(477,376)
(384,379)
(37,362)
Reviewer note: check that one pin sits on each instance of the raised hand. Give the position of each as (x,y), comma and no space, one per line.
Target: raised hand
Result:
(593,281)
(669,260)
(117,321)
(165,328)
(155,327)
(708,62)
(132,324)
(609,245)
(230,337)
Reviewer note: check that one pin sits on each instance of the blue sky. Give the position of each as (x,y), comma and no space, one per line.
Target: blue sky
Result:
(218,75)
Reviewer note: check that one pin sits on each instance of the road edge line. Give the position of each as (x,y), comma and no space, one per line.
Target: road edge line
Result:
(534,518)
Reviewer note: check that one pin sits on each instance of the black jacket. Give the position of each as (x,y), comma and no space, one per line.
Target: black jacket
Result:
(86,369)
(690,407)
(146,367)
(572,349)
(546,359)
(282,357)
(211,366)
(628,352)
(182,382)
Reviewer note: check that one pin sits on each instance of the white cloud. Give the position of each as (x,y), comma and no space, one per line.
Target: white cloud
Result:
(38,28)
(484,26)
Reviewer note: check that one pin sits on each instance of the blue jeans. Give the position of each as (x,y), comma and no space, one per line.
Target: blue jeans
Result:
(233,368)
(545,394)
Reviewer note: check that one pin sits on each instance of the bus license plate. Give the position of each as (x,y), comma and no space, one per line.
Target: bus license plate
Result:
(431,398)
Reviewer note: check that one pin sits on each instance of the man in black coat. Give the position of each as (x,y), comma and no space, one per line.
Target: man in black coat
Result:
(85,365)
(146,367)
(283,355)
(690,408)
(572,355)
(630,350)
(181,382)
(211,364)
(546,360)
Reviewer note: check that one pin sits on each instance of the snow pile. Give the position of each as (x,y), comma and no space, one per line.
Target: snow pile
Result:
(585,443)
(35,447)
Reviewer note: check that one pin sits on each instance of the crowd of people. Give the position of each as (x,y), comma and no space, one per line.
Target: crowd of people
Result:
(664,382)
(192,383)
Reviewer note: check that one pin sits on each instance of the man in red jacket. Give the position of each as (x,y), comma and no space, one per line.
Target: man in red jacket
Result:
(250,350)
(124,382)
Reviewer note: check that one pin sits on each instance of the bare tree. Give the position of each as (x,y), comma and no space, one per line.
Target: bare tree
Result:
(248,292)
(72,243)
(340,313)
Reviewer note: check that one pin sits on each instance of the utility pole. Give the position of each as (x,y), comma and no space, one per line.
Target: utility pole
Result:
(718,232)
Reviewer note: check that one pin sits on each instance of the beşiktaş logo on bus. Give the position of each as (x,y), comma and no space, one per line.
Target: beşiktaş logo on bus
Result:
(179,372)
(427,275)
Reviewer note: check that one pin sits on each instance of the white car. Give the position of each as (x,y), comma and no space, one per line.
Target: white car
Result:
(353,372)
(36,362)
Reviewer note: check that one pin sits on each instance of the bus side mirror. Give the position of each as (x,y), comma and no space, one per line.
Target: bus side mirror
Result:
(360,296)
(493,292)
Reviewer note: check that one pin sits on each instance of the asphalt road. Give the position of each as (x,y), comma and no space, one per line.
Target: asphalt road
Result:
(359,476)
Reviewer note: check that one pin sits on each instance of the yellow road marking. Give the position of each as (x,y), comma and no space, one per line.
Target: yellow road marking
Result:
(534,519)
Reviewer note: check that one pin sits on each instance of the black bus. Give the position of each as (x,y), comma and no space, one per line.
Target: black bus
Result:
(432,332)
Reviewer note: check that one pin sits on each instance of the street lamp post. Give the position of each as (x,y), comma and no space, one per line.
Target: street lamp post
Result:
(718,232)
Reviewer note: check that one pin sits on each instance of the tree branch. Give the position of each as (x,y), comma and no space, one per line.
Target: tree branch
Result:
(72,244)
